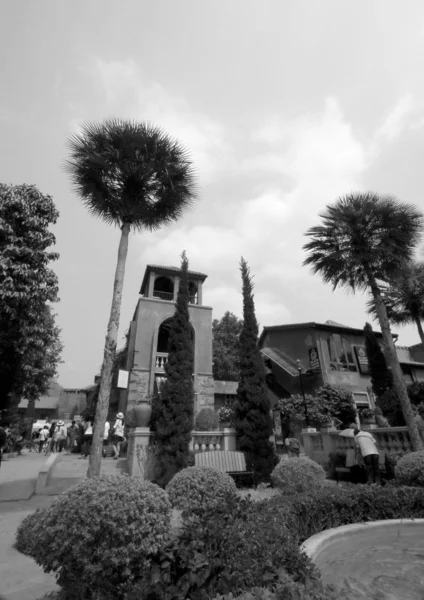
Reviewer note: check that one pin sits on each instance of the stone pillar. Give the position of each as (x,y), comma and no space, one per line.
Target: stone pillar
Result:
(329,443)
(308,445)
(151,284)
(199,293)
(176,286)
(229,439)
(140,436)
(138,386)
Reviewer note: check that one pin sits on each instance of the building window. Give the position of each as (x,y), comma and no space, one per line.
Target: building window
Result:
(340,353)
(407,374)
(361,399)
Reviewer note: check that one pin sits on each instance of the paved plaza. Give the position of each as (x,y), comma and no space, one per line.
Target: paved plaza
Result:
(20,577)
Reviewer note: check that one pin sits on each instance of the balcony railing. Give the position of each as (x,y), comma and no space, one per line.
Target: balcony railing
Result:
(161,358)
(163,295)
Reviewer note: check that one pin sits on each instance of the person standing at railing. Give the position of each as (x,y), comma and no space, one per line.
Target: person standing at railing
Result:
(369,452)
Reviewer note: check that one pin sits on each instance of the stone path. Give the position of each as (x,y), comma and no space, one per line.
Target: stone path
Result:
(20,577)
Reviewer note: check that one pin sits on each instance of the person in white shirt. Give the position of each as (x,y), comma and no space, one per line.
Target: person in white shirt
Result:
(369,452)
(118,435)
(87,438)
(44,435)
(105,438)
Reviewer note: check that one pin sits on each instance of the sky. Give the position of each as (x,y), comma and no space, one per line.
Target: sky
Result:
(284,107)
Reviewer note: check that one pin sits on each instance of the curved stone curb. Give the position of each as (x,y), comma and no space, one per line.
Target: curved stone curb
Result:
(45,472)
(318,542)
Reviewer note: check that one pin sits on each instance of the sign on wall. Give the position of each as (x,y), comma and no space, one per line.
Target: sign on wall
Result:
(123,379)
(361,357)
(314,359)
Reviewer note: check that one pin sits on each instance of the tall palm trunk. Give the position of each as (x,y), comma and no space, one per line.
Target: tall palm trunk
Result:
(108,357)
(394,364)
(420,328)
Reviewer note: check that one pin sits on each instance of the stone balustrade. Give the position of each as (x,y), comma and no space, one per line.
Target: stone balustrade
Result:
(161,359)
(390,440)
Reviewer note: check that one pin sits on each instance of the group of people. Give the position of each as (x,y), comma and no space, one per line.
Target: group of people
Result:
(60,438)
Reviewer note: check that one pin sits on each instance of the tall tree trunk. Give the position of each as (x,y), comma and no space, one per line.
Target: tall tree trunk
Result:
(108,357)
(420,328)
(393,360)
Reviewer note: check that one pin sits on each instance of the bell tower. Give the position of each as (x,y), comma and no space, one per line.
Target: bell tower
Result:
(149,333)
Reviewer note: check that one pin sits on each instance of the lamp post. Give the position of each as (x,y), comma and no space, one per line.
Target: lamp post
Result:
(299,368)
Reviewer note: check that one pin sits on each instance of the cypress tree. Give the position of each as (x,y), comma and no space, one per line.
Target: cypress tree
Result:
(252,406)
(174,417)
(381,377)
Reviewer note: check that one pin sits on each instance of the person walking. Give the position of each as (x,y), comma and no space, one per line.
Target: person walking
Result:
(60,436)
(44,436)
(369,452)
(105,438)
(118,435)
(71,435)
(87,438)
(52,436)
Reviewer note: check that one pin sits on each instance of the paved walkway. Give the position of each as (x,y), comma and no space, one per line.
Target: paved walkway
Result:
(18,476)
(20,577)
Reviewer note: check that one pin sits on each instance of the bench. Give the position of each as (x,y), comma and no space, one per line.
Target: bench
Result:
(226,461)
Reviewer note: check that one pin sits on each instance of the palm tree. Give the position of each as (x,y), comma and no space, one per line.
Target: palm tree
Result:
(403,296)
(365,238)
(134,176)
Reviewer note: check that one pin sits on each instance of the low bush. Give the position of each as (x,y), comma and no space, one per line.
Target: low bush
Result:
(97,537)
(324,508)
(409,469)
(198,488)
(390,461)
(230,549)
(297,475)
(206,420)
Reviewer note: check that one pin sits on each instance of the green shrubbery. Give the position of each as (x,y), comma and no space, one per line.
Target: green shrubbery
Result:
(98,535)
(200,488)
(297,475)
(206,420)
(409,469)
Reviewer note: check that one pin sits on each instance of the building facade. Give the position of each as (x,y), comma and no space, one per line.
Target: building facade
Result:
(328,353)
(149,334)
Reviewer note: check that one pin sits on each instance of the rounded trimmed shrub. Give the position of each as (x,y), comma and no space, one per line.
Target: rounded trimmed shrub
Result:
(409,469)
(297,475)
(199,487)
(206,420)
(97,536)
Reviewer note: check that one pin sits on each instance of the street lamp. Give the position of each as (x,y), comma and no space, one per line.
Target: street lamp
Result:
(299,368)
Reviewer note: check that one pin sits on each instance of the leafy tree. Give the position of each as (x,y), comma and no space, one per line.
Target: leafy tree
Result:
(365,239)
(381,378)
(226,352)
(403,297)
(30,344)
(134,176)
(174,414)
(252,407)
(416,392)
(325,403)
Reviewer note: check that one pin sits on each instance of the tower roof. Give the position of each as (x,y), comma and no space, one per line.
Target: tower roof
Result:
(171,271)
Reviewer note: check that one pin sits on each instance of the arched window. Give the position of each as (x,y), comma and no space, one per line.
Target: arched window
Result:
(163,336)
(163,288)
(192,292)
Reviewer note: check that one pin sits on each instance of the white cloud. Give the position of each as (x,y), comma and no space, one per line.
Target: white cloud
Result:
(126,88)
(396,120)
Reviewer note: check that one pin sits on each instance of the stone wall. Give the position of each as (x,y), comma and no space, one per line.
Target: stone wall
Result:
(138,386)
(205,393)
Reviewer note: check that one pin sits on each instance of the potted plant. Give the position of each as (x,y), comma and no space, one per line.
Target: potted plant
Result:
(206,420)
(226,417)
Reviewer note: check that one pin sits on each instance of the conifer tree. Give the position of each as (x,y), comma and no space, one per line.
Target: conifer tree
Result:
(252,406)
(174,421)
(381,378)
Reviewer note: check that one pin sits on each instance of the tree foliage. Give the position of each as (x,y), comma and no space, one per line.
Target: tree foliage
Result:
(174,413)
(134,176)
(327,402)
(381,377)
(226,347)
(403,296)
(252,406)
(364,240)
(30,346)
